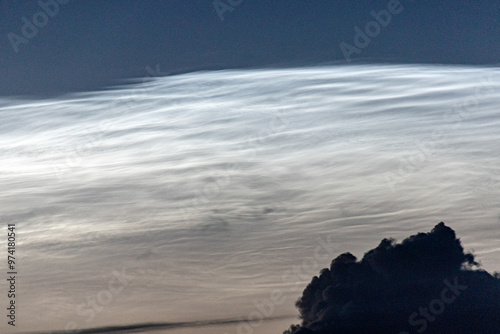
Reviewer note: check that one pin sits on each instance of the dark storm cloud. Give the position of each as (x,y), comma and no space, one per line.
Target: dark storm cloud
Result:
(426,284)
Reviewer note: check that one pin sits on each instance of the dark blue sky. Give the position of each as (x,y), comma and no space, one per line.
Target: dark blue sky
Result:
(85,45)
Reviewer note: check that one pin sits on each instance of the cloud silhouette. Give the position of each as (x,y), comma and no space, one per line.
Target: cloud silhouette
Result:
(426,284)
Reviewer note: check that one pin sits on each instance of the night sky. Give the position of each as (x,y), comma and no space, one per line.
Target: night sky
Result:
(88,45)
